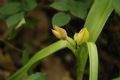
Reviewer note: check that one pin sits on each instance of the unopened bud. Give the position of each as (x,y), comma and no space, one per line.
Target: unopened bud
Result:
(82,36)
(60,33)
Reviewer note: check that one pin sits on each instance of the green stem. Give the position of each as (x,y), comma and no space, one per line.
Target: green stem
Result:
(81,60)
(97,17)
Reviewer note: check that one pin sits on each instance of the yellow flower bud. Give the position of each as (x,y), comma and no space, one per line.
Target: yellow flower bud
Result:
(60,33)
(82,36)
(76,37)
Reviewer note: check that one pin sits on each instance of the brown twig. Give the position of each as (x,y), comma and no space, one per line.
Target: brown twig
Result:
(11,46)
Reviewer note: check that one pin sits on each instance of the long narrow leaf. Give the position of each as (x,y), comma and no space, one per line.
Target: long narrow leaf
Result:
(93,58)
(97,18)
(38,56)
(95,22)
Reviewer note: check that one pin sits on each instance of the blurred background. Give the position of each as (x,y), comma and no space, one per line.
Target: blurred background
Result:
(36,34)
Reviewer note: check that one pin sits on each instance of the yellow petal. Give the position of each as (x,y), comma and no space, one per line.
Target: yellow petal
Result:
(82,36)
(76,36)
(57,34)
(61,31)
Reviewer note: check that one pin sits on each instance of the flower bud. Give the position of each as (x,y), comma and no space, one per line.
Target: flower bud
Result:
(82,36)
(60,33)
(76,37)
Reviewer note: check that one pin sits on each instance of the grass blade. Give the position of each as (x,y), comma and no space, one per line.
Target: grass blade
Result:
(38,56)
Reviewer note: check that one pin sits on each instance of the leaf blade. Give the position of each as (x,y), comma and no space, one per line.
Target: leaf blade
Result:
(62,5)
(10,8)
(29,4)
(60,19)
(93,59)
(14,19)
(79,9)
(38,56)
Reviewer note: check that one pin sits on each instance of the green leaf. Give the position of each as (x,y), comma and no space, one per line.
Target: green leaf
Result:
(116,5)
(29,4)
(38,76)
(87,3)
(38,56)
(60,19)
(22,21)
(10,8)
(93,58)
(95,22)
(79,9)
(14,19)
(97,18)
(62,5)
(26,52)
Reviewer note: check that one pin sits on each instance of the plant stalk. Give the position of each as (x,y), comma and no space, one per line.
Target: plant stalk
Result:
(96,19)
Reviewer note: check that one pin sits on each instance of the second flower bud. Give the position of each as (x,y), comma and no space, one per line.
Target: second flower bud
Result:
(81,37)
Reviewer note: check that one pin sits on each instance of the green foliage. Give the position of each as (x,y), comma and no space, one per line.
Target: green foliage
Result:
(76,8)
(10,8)
(22,21)
(116,5)
(79,9)
(14,11)
(63,5)
(13,33)
(29,4)
(37,76)
(97,17)
(93,58)
(38,56)
(95,22)
(89,48)
(60,19)
(14,19)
